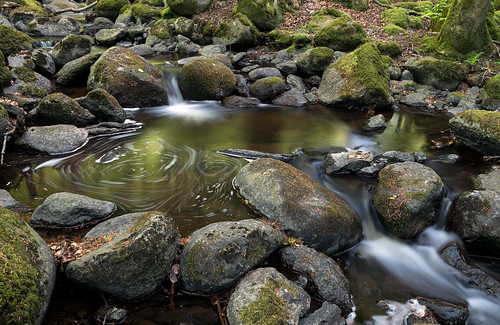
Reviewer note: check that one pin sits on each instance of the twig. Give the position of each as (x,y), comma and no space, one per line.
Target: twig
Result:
(4,145)
(219,310)
(77,9)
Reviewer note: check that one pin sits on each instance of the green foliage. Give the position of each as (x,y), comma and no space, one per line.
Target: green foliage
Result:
(393,30)
(420,6)
(473,58)
(437,14)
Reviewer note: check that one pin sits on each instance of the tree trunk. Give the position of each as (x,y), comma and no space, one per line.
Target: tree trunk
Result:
(465,30)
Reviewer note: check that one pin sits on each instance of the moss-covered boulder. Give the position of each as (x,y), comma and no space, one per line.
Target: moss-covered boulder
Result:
(130,78)
(103,106)
(393,30)
(340,35)
(70,48)
(184,26)
(360,78)
(408,198)
(110,36)
(44,63)
(360,5)
(162,29)
(58,108)
(28,272)
(316,60)
(267,88)
(205,78)
(23,76)
(265,14)
(110,8)
(232,248)
(475,217)
(77,71)
(390,48)
(146,13)
(479,130)
(135,263)
(238,32)
(189,7)
(304,208)
(53,26)
(13,41)
(265,296)
(440,74)
(323,17)
(492,87)
(5,75)
(396,16)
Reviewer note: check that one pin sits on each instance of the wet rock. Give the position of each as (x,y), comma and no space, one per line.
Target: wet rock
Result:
(265,14)
(143,50)
(135,263)
(323,275)
(114,226)
(408,198)
(347,162)
(252,154)
(464,105)
(111,315)
(448,159)
(128,77)
(23,76)
(107,128)
(77,71)
(238,32)
(287,67)
(304,208)
(8,202)
(489,181)
(71,48)
(239,102)
(267,88)
(98,24)
(440,74)
(266,294)
(406,75)
(28,272)
(376,122)
(454,98)
(54,139)
(446,313)
(478,130)
(414,100)
(111,36)
(420,157)
(475,217)
(372,169)
(397,156)
(21,60)
(314,61)
(408,85)
(65,209)
(189,8)
(210,50)
(231,248)
(58,108)
(103,106)
(44,63)
(328,314)
(260,73)
(53,26)
(292,97)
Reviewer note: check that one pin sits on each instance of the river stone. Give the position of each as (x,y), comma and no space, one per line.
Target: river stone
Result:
(44,63)
(70,48)
(110,36)
(264,14)
(210,50)
(341,34)
(376,122)
(205,78)
(475,217)
(440,74)
(116,225)
(264,72)
(292,97)
(414,100)
(63,209)
(479,130)
(328,314)
(267,88)
(20,60)
(130,78)
(143,50)
(53,26)
(104,106)
(7,201)
(266,294)
(323,274)
(397,156)
(135,263)
(358,79)
(23,76)
(238,32)
(408,198)
(231,248)
(239,102)
(314,61)
(489,181)
(58,108)
(445,312)
(28,272)
(347,162)
(189,7)
(304,208)
(77,71)
(54,139)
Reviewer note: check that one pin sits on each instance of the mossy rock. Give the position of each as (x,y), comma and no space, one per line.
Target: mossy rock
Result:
(396,16)
(420,6)
(146,13)
(5,77)
(415,22)
(341,35)
(70,48)
(264,14)
(316,60)
(267,88)
(184,26)
(58,108)
(492,87)
(25,74)
(440,74)
(393,30)
(32,5)
(205,78)
(156,3)
(390,48)
(110,8)
(32,91)
(162,29)
(323,17)
(27,274)
(13,41)
(238,32)
(360,5)
(281,38)
(189,7)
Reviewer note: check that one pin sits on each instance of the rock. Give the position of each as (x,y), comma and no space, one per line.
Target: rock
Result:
(62,210)
(238,32)
(408,198)
(448,159)
(292,97)
(231,248)
(328,314)
(104,106)
(187,47)
(21,60)
(267,88)
(184,26)
(358,79)
(58,108)
(488,181)
(265,72)
(70,48)
(397,156)
(143,50)
(376,122)
(475,217)
(135,263)
(440,74)
(264,14)
(341,35)
(98,24)
(128,77)
(323,275)
(205,78)
(415,100)
(5,21)
(110,36)
(479,130)
(314,61)
(114,226)
(304,208)
(266,294)
(13,41)
(465,104)
(110,8)
(296,82)
(189,7)
(252,155)
(76,72)
(8,202)
(420,157)
(57,5)
(53,26)
(44,63)
(24,76)
(54,139)
(239,102)
(445,312)
(210,50)
(287,67)
(347,162)
(28,272)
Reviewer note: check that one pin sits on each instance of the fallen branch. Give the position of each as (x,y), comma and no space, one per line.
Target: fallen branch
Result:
(4,145)
(76,9)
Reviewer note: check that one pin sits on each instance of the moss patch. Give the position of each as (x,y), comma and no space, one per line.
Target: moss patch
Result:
(110,8)
(162,29)
(25,74)
(265,14)
(146,12)
(33,91)
(341,34)
(396,16)
(488,121)
(390,48)
(492,87)
(393,30)
(13,41)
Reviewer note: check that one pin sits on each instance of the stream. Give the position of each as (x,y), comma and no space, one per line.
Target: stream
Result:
(171,164)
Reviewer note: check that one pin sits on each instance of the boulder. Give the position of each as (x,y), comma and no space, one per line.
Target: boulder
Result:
(376,122)
(324,276)
(70,48)
(475,217)
(7,201)
(440,74)
(358,79)
(143,50)
(189,7)
(135,263)
(110,36)
(304,208)
(239,102)
(264,72)
(53,26)
(267,88)
(488,181)
(103,106)
(63,210)
(23,76)
(323,17)
(110,8)
(20,60)
(397,156)
(114,226)
(130,78)
(341,35)
(238,32)
(204,78)
(347,162)
(265,295)
(58,108)
(445,312)
(328,314)
(408,198)
(55,6)
(98,24)
(292,97)
(184,26)
(479,130)
(231,248)
(314,61)
(76,72)
(28,272)
(265,14)
(54,139)
(13,41)
(44,63)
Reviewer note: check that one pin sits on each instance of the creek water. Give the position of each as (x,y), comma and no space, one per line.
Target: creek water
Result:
(171,164)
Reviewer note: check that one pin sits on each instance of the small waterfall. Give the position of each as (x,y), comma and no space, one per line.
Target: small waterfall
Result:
(174,92)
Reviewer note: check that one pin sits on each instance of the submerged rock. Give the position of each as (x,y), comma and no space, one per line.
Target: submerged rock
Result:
(304,208)
(54,139)
(252,154)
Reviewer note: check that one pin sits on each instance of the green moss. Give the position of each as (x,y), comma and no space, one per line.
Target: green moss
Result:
(341,34)
(415,23)
(331,12)
(280,38)
(33,5)
(20,294)
(146,12)
(25,74)
(396,16)
(264,14)
(5,77)
(162,29)
(156,3)
(13,41)
(33,91)
(420,6)
(360,5)
(110,8)
(168,13)
(492,87)
(488,121)
(390,48)
(393,30)
(323,17)
(272,81)
(444,69)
